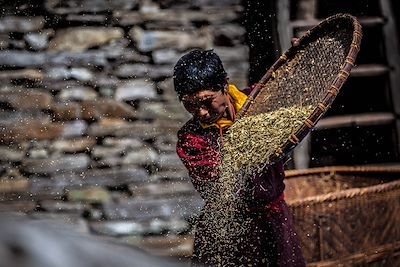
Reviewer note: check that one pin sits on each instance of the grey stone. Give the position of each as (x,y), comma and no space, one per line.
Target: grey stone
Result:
(63,73)
(166,56)
(79,39)
(88,58)
(38,40)
(13,182)
(156,208)
(21,24)
(79,144)
(34,129)
(22,59)
(113,176)
(91,6)
(81,74)
(161,189)
(53,187)
(101,152)
(22,74)
(40,59)
(118,228)
(126,143)
(29,99)
(58,164)
(222,3)
(169,175)
(143,70)
(11,154)
(103,107)
(229,54)
(75,221)
(38,153)
(161,110)
(152,110)
(178,18)
(110,127)
(93,195)
(169,161)
(65,111)
(86,18)
(143,156)
(135,90)
(108,162)
(22,117)
(152,40)
(74,128)
(166,143)
(55,206)
(77,93)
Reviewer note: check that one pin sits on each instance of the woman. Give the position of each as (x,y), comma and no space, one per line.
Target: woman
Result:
(202,85)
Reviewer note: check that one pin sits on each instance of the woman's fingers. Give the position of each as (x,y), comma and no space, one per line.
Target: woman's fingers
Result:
(295,41)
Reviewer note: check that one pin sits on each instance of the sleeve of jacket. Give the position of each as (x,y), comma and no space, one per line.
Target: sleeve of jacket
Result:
(199,158)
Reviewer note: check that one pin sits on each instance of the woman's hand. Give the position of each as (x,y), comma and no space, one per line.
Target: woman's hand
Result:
(295,41)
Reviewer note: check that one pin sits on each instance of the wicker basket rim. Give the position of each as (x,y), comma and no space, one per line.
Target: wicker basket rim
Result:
(346,194)
(389,169)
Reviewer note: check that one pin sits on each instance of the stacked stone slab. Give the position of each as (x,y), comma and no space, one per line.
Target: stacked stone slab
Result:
(89,117)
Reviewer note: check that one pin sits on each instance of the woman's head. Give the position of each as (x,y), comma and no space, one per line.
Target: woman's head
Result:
(199,70)
(200,81)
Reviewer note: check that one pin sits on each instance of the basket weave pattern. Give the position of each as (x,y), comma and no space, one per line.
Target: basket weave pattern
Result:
(354,222)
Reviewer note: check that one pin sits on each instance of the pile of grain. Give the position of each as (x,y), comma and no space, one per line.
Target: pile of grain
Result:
(252,140)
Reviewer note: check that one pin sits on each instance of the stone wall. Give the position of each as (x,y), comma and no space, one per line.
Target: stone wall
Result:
(88,112)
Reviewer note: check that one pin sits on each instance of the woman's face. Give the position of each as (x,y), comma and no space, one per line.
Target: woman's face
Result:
(207,106)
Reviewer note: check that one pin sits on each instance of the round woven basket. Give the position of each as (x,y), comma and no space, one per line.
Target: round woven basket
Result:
(346,215)
(310,74)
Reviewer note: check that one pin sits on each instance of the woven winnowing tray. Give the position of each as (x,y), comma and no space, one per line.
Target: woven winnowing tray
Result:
(308,75)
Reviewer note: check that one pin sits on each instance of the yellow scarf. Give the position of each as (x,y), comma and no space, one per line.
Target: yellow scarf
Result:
(237,98)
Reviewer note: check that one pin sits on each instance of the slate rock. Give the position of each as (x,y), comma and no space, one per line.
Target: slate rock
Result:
(77,93)
(89,6)
(79,39)
(143,156)
(72,129)
(117,228)
(113,177)
(76,162)
(31,130)
(103,107)
(147,41)
(22,74)
(38,40)
(21,23)
(135,90)
(55,206)
(75,145)
(161,189)
(64,73)
(67,110)
(143,70)
(26,99)
(89,195)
